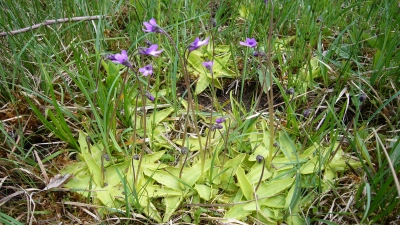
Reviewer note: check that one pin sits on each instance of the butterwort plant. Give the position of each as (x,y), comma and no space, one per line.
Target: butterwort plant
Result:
(122,58)
(151,26)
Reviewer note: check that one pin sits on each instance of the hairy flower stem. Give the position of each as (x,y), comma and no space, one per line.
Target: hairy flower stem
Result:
(261,176)
(284,110)
(212,94)
(225,142)
(191,106)
(211,117)
(270,93)
(134,136)
(142,93)
(190,97)
(103,175)
(184,162)
(243,77)
(113,115)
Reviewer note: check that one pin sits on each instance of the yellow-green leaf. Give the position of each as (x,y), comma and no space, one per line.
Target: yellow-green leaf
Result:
(274,187)
(237,212)
(244,184)
(164,178)
(149,209)
(191,175)
(171,204)
(204,191)
(202,83)
(254,175)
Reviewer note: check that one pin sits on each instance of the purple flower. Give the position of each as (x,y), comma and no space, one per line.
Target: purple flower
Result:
(307,112)
(197,44)
(149,96)
(220,120)
(147,70)
(148,43)
(216,126)
(259,53)
(120,58)
(152,26)
(208,65)
(152,50)
(250,42)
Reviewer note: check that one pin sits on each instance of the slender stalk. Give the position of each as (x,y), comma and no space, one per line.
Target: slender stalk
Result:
(243,76)
(190,97)
(285,109)
(183,151)
(134,137)
(212,87)
(211,116)
(142,93)
(259,158)
(109,127)
(190,106)
(271,92)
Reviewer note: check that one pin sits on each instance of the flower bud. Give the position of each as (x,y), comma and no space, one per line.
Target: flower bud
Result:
(307,113)
(259,158)
(362,97)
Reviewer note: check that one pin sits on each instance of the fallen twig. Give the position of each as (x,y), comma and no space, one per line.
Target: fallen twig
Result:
(50,22)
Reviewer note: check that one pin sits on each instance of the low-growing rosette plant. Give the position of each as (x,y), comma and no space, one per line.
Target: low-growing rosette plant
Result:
(211,164)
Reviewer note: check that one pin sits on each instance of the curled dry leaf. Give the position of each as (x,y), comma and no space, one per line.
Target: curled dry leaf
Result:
(57,181)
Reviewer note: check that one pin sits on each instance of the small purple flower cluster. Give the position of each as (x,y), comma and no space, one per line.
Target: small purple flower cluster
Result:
(152,50)
(218,123)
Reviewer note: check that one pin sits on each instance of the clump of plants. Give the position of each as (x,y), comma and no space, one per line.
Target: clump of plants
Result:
(244,165)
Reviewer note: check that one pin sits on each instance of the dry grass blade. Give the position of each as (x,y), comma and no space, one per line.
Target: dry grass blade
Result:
(46,178)
(91,214)
(79,204)
(2,181)
(50,22)
(9,197)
